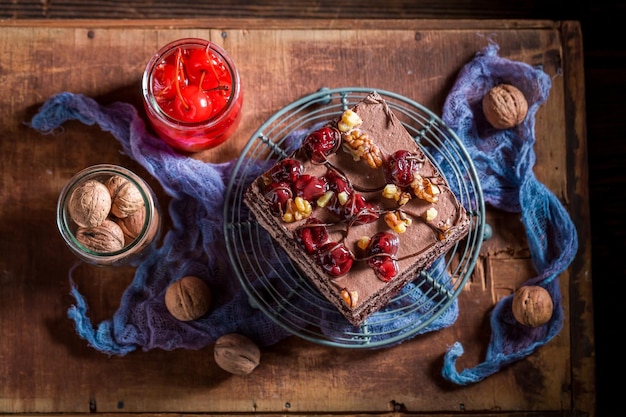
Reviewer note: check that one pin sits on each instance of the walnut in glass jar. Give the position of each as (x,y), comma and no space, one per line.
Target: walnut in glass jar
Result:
(89,204)
(125,197)
(108,215)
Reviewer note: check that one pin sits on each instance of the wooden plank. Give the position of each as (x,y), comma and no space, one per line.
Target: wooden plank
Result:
(48,369)
(583,348)
(343,22)
(323,9)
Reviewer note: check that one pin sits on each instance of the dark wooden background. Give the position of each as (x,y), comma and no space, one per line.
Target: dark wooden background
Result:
(602,23)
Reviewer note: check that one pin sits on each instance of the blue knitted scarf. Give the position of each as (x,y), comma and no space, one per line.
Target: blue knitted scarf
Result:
(195,245)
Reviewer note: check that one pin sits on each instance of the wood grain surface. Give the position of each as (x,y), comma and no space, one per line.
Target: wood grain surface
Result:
(48,369)
(604,56)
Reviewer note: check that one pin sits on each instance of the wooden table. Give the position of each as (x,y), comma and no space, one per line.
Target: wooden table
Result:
(46,368)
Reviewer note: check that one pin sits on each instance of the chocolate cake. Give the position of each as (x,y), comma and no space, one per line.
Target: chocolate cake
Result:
(359,208)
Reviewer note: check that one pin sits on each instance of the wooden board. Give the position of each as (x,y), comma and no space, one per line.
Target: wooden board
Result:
(47,368)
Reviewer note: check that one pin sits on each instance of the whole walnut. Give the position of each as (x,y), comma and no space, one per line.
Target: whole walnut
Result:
(532,305)
(125,196)
(236,353)
(504,106)
(89,204)
(188,298)
(106,237)
(133,224)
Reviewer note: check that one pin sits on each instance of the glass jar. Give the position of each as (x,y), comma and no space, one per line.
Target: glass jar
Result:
(108,215)
(192,94)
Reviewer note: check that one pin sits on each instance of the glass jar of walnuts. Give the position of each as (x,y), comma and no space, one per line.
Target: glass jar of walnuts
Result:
(108,215)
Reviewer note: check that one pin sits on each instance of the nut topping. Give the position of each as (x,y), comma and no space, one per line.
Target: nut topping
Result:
(349,297)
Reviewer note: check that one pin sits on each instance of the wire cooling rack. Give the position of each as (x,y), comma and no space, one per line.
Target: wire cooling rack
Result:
(275,285)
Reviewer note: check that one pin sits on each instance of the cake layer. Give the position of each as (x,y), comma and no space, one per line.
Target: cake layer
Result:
(359,208)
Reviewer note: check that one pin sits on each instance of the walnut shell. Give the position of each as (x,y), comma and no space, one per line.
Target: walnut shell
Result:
(107,237)
(532,305)
(188,298)
(237,354)
(133,224)
(125,196)
(505,106)
(89,204)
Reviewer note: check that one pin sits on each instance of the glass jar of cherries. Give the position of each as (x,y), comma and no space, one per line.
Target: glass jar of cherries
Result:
(192,93)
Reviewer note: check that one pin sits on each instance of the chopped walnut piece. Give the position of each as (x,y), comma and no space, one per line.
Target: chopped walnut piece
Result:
(430,214)
(398,221)
(391,191)
(349,297)
(349,120)
(361,146)
(297,209)
(324,199)
(363,242)
(425,189)
(343,197)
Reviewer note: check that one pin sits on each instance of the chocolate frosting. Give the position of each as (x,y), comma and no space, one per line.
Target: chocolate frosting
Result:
(419,245)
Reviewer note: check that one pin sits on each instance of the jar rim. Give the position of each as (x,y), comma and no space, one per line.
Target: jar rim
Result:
(156,110)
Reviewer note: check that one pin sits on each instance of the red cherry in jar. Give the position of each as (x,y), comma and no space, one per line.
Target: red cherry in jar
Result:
(192,94)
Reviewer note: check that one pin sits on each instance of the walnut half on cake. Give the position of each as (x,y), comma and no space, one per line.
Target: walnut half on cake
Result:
(359,208)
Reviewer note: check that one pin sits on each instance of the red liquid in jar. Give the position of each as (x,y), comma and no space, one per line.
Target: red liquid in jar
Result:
(192,94)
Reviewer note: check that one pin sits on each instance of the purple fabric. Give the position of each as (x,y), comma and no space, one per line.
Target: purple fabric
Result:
(193,247)
(504,160)
(196,246)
